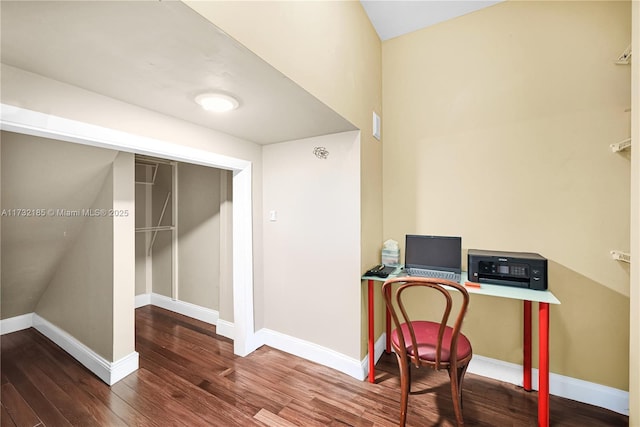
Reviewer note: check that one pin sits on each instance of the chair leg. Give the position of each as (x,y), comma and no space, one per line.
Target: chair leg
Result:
(461,371)
(456,391)
(405,386)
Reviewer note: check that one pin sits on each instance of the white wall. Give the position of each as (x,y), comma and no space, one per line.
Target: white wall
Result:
(312,250)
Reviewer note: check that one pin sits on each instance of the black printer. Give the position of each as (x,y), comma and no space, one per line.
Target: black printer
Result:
(520,269)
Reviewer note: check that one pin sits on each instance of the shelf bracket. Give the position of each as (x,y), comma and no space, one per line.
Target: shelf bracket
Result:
(622,145)
(621,256)
(625,57)
(157,228)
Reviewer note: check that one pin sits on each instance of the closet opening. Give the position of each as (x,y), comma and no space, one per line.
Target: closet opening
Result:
(239,321)
(183,237)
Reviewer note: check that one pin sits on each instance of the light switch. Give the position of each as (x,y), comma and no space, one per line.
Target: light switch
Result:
(376,126)
(273,216)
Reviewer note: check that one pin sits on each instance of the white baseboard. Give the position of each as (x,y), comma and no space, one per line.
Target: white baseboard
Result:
(313,352)
(124,366)
(109,372)
(206,315)
(588,392)
(225,328)
(17,323)
(378,348)
(499,370)
(142,300)
(559,385)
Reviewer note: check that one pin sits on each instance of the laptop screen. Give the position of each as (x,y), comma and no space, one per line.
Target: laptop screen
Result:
(442,253)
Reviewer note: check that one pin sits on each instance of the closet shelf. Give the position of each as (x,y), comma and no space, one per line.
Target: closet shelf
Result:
(622,145)
(147,164)
(625,57)
(621,256)
(159,228)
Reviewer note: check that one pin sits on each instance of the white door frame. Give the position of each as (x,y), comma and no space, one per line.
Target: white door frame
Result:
(20,120)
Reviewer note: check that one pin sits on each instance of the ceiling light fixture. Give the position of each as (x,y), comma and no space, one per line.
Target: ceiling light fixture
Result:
(217,102)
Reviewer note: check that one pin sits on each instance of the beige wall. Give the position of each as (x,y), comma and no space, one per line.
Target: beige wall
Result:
(74,270)
(90,295)
(48,174)
(79,297)
(199,235)
(634,336)
(497,128)
(311,249)
(226,246)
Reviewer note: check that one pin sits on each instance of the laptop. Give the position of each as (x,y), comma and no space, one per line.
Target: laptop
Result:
(439,257)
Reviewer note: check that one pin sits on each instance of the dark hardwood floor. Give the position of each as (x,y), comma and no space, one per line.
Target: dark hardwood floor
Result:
(188,376)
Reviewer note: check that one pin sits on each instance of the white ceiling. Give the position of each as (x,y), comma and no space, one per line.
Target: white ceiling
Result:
(393,18)
(160,55)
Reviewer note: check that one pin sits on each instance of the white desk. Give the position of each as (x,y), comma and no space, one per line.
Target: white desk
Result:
(543,298)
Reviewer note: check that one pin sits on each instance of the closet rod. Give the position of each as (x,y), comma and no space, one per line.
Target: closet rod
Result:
(155,233)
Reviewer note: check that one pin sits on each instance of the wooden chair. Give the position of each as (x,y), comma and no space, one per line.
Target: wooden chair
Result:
(428,343)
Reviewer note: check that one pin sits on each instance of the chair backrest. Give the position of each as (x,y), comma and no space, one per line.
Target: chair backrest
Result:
(395,304)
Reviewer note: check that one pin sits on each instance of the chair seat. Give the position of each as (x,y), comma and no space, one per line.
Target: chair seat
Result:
(427,332)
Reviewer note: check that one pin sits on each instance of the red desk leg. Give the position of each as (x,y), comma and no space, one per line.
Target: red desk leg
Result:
(526,371)
(372,366)
(543,368)
(388,325)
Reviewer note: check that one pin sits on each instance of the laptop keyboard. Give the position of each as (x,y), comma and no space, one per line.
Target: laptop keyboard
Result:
(447,275)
